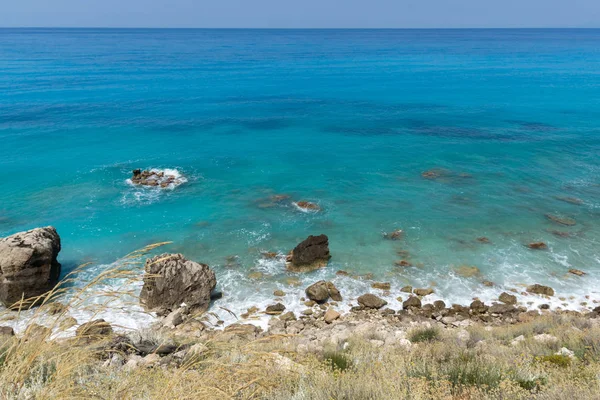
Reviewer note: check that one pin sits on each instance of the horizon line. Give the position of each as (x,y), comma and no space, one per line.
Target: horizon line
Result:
(296,28)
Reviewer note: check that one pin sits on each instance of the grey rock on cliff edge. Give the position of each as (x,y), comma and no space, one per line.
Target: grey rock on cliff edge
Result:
(171,280)
(28,264)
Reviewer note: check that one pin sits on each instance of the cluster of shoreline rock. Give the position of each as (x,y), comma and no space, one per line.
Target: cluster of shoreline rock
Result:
(181,291)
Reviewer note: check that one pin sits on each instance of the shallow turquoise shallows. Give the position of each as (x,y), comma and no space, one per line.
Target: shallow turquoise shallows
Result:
(509,120)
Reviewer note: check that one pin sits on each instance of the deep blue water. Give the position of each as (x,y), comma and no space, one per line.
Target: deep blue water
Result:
(348,119)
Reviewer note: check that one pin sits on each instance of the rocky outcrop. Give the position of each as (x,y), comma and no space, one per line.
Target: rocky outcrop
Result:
(311,254)
(28,265)
(171,280)
(321,291)
(156,178)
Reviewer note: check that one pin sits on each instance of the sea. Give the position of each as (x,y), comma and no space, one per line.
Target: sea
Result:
(451,136)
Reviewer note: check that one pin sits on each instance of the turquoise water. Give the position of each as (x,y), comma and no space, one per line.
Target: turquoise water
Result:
(348,119)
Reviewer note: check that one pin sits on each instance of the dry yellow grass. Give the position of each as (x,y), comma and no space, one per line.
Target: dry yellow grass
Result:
(485,364)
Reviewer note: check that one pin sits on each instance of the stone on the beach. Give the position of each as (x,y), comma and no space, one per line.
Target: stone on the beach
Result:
(501,309)
(6,331)
(331,315)
(309,255)
(540,289)
(96,329)
(439,305)
(28,265)
(423,291)
(477,307)
(412,302)
(561,220)
(307,206)
(537,246)
(576,272)
(371,301)
(171,280)
(507,298)
(381,285)
(288,316)
(275,309)
(394,235)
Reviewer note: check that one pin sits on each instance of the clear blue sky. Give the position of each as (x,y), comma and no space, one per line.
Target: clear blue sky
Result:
(300,13)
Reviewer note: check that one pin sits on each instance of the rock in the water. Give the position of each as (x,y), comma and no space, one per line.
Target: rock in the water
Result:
(570,200)
(423,292)
(334,293)
(381,285)
(561,220)
(403,263)
(275,309)
(157,178)
(412,302)
(321,291)
(540,289)
(311,254)
(94,330)
(537,246)
(371,301)
(307,206)
(394,235)
(484,240)
(467,271)
(318,292)
(576,272)
(507,298)
(407,289)
(28,264)
(171,280)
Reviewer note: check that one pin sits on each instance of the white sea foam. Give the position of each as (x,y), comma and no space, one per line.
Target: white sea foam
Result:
(242,292)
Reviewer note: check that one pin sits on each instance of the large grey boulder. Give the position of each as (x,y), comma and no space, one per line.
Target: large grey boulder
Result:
(310,254)
(28,264)
(171,280)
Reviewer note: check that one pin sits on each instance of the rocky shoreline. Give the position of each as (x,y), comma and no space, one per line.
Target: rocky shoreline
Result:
(181,291)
